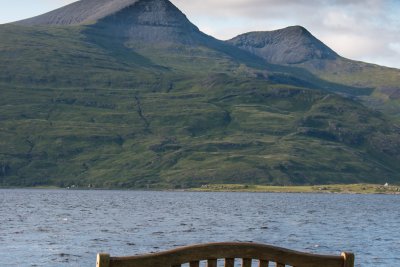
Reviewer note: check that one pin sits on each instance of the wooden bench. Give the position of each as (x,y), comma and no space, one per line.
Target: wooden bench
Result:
(247,253)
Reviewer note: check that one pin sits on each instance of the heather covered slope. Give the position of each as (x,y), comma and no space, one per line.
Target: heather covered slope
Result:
(130,107)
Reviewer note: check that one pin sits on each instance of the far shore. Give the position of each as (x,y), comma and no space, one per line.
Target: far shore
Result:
(324,189)
(328,189)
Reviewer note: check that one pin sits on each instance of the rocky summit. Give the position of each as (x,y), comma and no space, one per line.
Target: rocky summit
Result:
(151,21)
(291,45)
(131,94)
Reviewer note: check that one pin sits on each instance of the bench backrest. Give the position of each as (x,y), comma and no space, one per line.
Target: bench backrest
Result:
(247,253)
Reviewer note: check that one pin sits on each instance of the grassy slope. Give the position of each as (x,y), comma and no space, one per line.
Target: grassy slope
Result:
(75,112)
(385,82)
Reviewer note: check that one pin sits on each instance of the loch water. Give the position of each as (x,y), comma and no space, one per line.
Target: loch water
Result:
(68,228)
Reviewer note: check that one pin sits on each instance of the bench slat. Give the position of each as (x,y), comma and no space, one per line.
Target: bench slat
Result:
(229,262)
(348,259)
(103,260)
(280,264)
(212,263)
(194,264)
(263,263)
(246,262)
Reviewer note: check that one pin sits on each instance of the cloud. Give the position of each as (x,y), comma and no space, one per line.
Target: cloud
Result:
(395,47)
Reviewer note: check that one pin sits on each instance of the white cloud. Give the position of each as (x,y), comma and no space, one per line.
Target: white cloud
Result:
(352,44)
(339,20)
(395,47)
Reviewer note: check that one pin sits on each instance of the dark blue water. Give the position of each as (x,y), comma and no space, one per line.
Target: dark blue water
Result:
(68,228)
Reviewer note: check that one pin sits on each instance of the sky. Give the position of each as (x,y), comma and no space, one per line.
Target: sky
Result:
(365,30)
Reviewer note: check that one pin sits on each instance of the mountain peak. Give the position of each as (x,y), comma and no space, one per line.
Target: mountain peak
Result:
(150,21)
(296,29)
(139,20)
(291,45)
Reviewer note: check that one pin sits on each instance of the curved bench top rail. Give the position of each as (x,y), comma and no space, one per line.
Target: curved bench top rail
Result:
(208,251)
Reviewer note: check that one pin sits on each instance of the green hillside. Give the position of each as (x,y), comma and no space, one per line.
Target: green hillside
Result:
(80,108)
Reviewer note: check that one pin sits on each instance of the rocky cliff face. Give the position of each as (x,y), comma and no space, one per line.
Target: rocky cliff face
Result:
(151,21)
(292,45)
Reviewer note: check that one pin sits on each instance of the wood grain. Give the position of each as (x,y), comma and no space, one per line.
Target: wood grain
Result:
(103,260)
(348,259)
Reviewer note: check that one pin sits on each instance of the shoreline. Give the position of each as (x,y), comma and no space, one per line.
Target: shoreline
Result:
(371,189)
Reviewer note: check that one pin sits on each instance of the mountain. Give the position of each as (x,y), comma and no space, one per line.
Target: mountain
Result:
(297,47)
(131,94)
